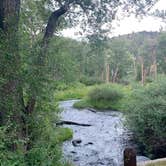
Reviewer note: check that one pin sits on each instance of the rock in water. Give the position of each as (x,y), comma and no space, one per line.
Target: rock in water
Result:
(76,142)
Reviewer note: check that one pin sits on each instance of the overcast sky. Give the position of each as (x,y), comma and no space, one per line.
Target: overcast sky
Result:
(129,24)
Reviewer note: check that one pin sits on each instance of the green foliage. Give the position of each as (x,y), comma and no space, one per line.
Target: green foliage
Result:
(120,58)
(113,96)
(7,157)
(84,103)
(88,81)
(63,134)
(105,93)
(47,151)
(147,116)
(62,60)
(149,79)
(161,52)
(75,92)
(109,96)
(45,142)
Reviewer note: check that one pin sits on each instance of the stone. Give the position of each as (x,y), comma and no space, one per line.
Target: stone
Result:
(73,152)
(76,142)
(89,143)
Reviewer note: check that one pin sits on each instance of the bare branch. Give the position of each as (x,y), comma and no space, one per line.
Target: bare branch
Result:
(59,2)
(84,8)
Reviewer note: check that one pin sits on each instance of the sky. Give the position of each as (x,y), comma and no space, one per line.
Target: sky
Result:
(128,24)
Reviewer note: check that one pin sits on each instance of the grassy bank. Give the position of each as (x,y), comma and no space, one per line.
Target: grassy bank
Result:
(63,134)
(77,92)
(105,97)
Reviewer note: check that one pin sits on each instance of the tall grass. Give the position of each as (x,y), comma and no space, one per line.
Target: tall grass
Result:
(108,96)
(72,93)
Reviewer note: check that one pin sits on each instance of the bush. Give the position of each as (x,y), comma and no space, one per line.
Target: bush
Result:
(149,79)
(106,93)
(45,141)
(105,97)
(147,118)
(109,96)
(90,80)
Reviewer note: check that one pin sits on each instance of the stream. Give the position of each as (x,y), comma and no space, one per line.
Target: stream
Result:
(101,144)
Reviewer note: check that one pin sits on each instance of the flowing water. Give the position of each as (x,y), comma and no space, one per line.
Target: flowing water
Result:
(102,144)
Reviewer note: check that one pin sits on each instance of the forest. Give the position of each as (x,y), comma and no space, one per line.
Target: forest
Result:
(41,71)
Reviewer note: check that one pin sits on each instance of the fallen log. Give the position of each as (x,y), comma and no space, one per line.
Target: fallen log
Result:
(92,110)
(72,123)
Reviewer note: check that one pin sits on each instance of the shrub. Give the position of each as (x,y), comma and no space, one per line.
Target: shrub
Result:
(45,143)
(147,117)
(149,79)
(106,93)
(105,97)
(90,80)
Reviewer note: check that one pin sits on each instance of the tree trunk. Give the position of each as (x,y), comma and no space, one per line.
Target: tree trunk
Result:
(155,68)
(155,72)
(135,68)
(107,73)
(115,75)
(102,75)
(49,32)
(142,74)
(142,71)
(11,96)
(9,17)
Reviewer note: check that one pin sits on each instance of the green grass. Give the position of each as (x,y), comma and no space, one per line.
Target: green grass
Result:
(84,103)
(100,105)
(106,97)
(63,134)
(72,93)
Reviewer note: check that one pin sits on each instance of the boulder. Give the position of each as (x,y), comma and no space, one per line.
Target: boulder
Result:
(76,142)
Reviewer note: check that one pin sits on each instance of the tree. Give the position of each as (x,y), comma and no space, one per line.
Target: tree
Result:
(120,59)
(161,53)
(143,47)
(12,105)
